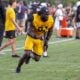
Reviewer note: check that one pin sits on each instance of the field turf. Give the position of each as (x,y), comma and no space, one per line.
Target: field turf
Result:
(63,62)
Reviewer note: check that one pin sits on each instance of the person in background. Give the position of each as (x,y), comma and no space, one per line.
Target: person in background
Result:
(2,20)
(21,15)
(58,19)
(46,40)
(10,27)
(77,19)
(39,23)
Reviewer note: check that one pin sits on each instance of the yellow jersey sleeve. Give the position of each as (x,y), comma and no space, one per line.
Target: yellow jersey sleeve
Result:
(11,14)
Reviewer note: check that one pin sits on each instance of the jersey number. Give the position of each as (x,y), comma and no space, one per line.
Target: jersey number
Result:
(42,29)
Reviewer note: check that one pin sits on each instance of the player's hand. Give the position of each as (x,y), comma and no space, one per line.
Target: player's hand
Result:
(19,29)
(45,42)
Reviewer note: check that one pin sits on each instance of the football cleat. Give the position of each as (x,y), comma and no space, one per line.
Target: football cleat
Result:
(18,70)
(45,54)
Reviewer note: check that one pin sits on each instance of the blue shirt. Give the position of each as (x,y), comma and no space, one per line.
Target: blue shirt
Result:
(21,14)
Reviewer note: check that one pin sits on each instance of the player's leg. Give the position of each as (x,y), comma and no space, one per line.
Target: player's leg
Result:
(45,50)
(1,36)
(11,42)
(77,33)
(38,49)
(27,60)
(36,57)
(8,43)
(13,46)
(45,47)
(27,53)
(26,56)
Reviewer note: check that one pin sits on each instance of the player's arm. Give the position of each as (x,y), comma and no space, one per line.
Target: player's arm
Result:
(12,18)
(17,26)
(47,37)
(49,33)
(28,21)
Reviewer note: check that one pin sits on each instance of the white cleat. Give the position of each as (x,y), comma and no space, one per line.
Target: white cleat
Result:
(45,54)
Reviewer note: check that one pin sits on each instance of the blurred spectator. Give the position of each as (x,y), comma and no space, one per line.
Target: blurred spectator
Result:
(59,17)
(2,20)
(78,22)
(21,8)
(10,26)
(52,10)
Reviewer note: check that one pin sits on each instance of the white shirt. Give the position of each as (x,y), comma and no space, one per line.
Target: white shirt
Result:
(59,14)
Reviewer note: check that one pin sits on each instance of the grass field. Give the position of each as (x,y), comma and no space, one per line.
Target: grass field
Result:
(63,62)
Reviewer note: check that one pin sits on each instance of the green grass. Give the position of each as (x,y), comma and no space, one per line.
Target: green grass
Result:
(63,63)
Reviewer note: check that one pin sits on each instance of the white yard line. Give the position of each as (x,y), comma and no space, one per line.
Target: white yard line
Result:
(53,42)
(58,70)
(60,41)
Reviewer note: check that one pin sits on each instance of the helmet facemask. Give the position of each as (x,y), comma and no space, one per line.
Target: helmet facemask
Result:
(44,17)
(43,13)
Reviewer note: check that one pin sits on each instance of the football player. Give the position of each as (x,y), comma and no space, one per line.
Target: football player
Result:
(40,23)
